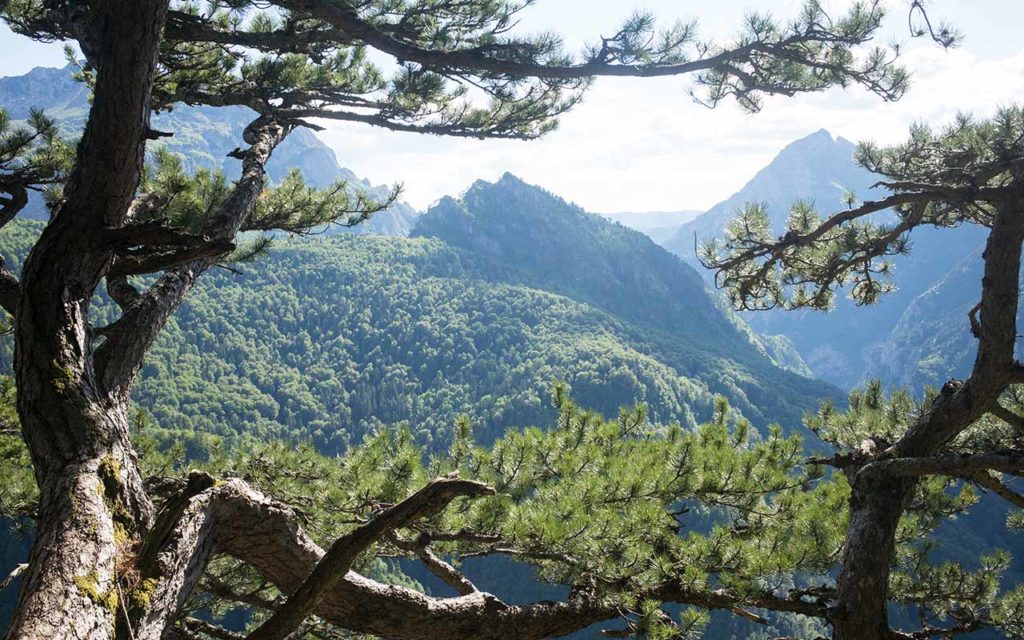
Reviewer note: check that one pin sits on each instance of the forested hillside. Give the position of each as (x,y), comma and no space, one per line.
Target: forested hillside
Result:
(331,338)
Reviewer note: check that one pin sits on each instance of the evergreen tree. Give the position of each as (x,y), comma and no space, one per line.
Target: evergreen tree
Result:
(970,432)
(109,560)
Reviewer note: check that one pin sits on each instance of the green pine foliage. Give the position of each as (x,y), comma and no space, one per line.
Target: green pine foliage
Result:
(634,512)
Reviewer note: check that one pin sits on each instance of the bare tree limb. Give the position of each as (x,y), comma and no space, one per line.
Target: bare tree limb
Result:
(1009,417)
(10,290)
(426,502)
(988,481)
(435,564)
(950,465)
(153,260)
(121,291)
(119,358)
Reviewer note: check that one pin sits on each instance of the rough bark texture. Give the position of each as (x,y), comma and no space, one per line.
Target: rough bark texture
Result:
(91,493)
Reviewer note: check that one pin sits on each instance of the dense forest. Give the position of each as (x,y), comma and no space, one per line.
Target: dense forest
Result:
(332,338)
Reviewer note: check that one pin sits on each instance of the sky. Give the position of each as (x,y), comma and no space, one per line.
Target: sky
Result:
(643,144)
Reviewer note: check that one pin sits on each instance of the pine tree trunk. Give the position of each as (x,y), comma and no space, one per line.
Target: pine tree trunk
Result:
(92,503)
(875,511)
(91,511)
(93,508)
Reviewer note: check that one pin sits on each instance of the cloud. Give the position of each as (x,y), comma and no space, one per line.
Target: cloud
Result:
(644,145)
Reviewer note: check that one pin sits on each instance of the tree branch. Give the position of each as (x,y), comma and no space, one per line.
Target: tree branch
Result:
(723,600)
(476,60)
(184,27)
(446,572)
(10,207)
(10,290)
(949,465)
(121,291)
(196,625)
(426,502)
(990,482)
(118,359)
(1009,417)
(437,566)
(151,233)
(153,260)
(236,520)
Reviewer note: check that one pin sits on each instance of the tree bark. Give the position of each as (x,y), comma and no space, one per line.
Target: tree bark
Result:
(880,493)
(92,503)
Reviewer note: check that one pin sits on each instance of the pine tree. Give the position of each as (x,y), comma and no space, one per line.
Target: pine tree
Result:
(115,558)
(970,432)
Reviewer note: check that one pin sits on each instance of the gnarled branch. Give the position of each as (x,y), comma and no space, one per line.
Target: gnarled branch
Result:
(426,502)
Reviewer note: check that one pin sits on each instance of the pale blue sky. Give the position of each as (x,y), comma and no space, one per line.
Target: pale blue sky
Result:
(643,144)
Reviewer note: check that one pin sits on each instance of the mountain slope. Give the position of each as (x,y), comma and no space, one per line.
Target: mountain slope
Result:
(932,341)
(521,234)
(203,136)
(818,168)
(839,346)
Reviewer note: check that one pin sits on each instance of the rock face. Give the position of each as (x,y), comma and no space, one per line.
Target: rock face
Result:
(845,345)
(203,136)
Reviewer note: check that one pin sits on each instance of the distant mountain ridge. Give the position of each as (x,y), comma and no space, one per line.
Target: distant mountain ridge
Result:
(203,136)
(842,346)
(816,168)
(657,225)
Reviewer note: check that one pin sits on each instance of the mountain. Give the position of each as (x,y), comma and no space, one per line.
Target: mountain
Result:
(657,225)
(523,234)
(203,136)
(497,295)
(840,346)
(818,168)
